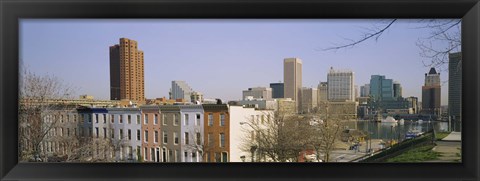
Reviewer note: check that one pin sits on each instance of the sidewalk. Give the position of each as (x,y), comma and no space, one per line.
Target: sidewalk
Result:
(453,136)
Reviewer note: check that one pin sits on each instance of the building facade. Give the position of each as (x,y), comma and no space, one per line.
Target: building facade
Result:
(455,89)
(150,134)
(431,93)
(341,85)
(258,93)
(365,90)
(292,78)
(216,133)
(181,90)
(127,71)
(308,99)
(277,90)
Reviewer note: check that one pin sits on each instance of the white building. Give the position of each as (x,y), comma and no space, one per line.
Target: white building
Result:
(258,93)
(341,85)
(241,132)
(365,90)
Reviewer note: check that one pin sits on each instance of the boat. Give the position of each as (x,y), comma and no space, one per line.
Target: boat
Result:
(420,121)
(401,122)
(389,119)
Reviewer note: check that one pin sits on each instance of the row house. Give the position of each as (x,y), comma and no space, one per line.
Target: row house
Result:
(151,144)
(216,129)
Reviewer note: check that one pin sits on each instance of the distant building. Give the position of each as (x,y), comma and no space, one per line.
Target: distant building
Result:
(151,134)
(126,71)
(258,93)
(380,88)
(365,90)
(341,85)
(397,90)
(180,90)
(277,90)
(308,99)
(431,93)
(343,110)
(413,103)
(292,78)
(455,88)
(256,103)
(196,97)
(322,92)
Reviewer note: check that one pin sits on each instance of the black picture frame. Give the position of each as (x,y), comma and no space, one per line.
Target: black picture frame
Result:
(11,11)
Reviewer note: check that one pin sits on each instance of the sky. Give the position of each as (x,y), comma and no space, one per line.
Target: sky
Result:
(220,58)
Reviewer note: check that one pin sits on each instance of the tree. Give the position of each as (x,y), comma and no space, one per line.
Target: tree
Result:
(37,116)
(444,38)
(328,124)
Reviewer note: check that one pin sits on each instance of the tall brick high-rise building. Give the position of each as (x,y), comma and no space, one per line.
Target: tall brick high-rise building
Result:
(126,71)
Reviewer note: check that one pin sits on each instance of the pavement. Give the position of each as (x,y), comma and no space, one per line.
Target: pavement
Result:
(453,136)
(349,155)
(450,151)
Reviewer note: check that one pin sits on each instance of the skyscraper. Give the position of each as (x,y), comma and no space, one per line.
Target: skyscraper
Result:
(380,88)
(431,93)
(397,90)
(308,99)
(322,92)
(455,88)
(277,90)
(292,78)
(126,71)
(341,85)
(181,90)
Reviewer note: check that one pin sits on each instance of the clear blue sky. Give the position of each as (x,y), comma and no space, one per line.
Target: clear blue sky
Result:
(220,58)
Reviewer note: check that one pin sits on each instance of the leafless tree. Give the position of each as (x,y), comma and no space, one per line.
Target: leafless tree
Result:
(444,38)
(36,115)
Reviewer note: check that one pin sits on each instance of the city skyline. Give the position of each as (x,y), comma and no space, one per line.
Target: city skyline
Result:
(254,58)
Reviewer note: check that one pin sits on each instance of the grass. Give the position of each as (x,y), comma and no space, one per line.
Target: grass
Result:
(441,135)
(419,154)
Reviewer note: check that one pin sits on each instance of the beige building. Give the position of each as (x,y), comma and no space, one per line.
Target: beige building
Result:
(322,92)
(286,106)
(292,78)
(127,71)
(308,99)
(344,110)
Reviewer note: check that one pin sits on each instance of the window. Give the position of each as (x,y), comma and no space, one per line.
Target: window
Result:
(186,138)
(145,121)
(164,121)
(129,133)
(112,131)
(222,119)
(138,119)
(146,136)
(104,118)
(121,134)
(89,118)
(75,118)
(176,120)
(155,120)
(175,137)
(155,139)
(104,132)
(185,154)
(112,118)
(197,122)
(186,120)
(210,119)
(61,118)
(120,117)
(194,156)
(90,132)
(138,135)
(96,118)
(222,140)
(129,119)
(198,138)
(68,131)
(210,139)
(165,137)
